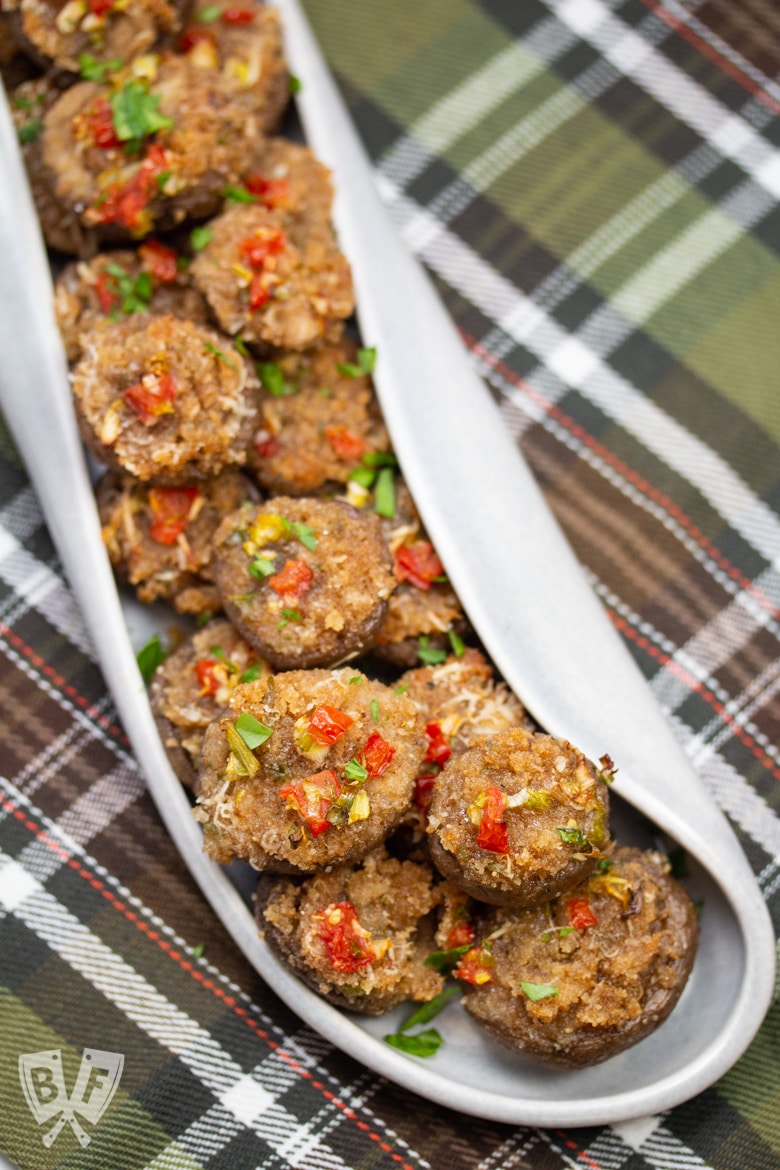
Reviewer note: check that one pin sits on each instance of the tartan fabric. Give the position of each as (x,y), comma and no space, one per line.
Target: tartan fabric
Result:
(594,186)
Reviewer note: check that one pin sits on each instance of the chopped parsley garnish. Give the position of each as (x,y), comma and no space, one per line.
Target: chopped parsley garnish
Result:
(356,680)
(261,567)
(429,655)
(604,865)
(536,991)
(161,180)
(456,642)
(251,674)
(135,113)
(93,70)
(218,653)
(354,770)
(252,731)
(560,931)
(295,84)
(573,837)
(402,689)
(365,364)
(384,493)
(239,195)
(305,534)
(198,950)
(428,1042)
(199,238)
(289,615)
(447,960)
(135,294)
(150,656)
(271,376)
(209,14)
(207,345)
(375,710)
(30,131)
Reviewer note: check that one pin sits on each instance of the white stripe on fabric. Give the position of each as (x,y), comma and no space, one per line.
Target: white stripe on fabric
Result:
(42,589)
(673,444)
(274,1073)
(669,86)
(665,1151)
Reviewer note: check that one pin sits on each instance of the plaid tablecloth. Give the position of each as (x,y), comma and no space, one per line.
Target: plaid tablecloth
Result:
(594,185)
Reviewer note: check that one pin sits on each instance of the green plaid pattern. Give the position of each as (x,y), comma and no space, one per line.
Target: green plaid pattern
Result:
(594,186)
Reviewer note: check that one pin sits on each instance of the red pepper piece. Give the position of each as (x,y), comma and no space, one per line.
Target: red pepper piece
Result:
(293,580)
(159,261)
(418,563)
(423,792)
(259,292)
(461,935)
(100,7)
(345,442)
(151,397)
(474,967)
(194,36)
(256,249)
(439,750)
(377,755)
(581,915)
(328,724)
(238,16)
(271,192)
(313,798)
(101,124)
(171,508)
(210,676)
(125,202)
(106,291)
(347,943)
(267,447)
(493,832)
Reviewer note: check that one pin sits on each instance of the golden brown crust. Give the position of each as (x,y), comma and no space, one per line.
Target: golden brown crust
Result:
(609,984)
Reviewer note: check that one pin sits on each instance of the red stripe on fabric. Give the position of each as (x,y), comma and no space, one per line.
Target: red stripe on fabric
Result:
(582,1155)
(67,689)
(23,817)
(647,489)
(693,684)
(713,54)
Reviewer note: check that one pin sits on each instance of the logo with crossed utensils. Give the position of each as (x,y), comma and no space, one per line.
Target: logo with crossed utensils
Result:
(43,1083)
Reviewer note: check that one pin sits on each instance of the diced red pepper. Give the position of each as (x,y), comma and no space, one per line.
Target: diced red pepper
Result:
(101,125)
(377,755)
(257,248)
(328,724)
(313,798)
(271,192)
(267,447)
(423,792)
(259,292)
(159,261)
(124,203)
(347,943)
(171,508)
(439,750)
(493,832)
(461,935)
(195,35)
(151,397)
(100,7)
(475,967)
(581,915)
(418,563)
(293,580)
(106,291)
(210,676)
(238,16)
(345,442)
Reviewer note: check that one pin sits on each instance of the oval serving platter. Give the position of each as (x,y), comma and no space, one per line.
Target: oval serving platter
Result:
(730,987)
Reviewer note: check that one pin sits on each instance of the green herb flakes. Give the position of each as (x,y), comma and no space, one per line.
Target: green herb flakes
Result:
(384,493)
(210,348)
(271,376)
(458,648)
(30,131)
(135,113)
(93,70)
(150,656)
(375,710)
(295,84)
(573,837)
(199,238)
(305,534)
(239,195)
(198,950)
(208,14)
(261,567)
(354,771)
(365,364)
(429,655)
(425,1043)
(251,674)
(252,731)
(536,991)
